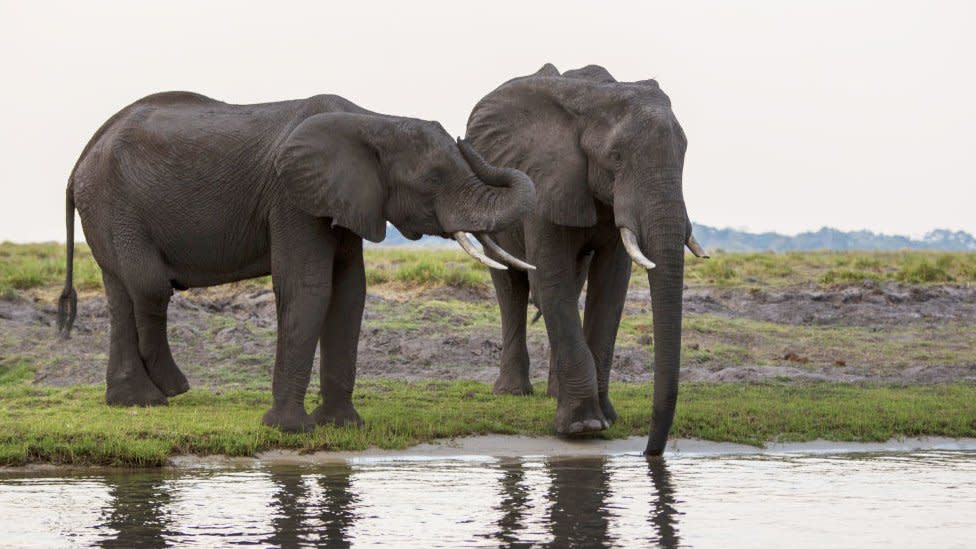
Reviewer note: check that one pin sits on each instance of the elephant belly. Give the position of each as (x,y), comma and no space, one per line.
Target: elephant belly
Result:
(203,250)
(188,277)
(206,232)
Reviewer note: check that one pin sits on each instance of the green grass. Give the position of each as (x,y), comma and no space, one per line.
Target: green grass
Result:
(16,372)
(715,339)
(419,268)
(41,266)
(73,426)
(29,266)
(737,341)
(828,268)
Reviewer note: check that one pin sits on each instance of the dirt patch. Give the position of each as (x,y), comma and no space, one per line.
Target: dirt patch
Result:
(224,337)
(869,303)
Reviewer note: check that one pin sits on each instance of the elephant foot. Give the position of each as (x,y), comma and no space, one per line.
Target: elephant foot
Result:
(342,415)
(134,392)
(607,408)
(579,417)
(166,375)
(290,419)
(512,383)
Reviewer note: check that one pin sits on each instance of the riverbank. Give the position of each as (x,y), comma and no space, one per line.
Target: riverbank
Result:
(73,426)
(776,347)
(554,448)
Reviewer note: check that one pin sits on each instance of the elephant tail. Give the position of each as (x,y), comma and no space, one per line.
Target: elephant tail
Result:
(536,316)
(68,302)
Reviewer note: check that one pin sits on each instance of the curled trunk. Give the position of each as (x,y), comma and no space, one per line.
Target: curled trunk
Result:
(493,200)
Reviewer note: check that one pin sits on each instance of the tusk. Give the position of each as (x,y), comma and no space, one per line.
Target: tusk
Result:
(696,248)
(630,244)
(462,239)
(487,242)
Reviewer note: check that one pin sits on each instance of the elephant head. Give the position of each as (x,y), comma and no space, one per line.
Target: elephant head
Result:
(362,170)
(586,139)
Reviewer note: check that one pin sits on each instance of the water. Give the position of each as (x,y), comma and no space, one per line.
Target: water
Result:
(917,499)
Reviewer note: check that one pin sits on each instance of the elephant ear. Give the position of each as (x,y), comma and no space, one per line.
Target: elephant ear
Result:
(521,125)
(326,170)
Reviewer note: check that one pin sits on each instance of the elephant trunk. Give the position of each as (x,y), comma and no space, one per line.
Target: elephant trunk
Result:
(660,224)
(666,282)
(493,200)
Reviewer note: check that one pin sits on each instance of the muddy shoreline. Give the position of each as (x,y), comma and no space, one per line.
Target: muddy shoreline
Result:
(518,446)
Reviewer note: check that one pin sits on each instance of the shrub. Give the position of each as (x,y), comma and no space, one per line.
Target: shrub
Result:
(926,270)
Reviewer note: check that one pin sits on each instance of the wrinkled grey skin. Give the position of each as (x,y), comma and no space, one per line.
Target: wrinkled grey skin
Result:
(178,190)
(604,155)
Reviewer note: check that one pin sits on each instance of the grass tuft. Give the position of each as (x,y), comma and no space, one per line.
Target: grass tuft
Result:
(929,269)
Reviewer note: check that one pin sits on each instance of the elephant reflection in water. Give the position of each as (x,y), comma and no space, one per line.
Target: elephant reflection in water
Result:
(663,511)
(515,498)
(137,512)
(578,495)
(294,509)
(578,502)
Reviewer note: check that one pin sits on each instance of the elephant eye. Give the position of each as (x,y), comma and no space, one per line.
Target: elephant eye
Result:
(614,157)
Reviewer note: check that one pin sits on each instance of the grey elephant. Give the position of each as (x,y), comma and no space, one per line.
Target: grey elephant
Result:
(607,159)
(178,190)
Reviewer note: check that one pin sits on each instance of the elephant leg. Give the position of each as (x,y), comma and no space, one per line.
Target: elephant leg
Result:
(512,289)
(609,277)
(340,335)
(127,382)
(578,405)
(150,316)
(582,266)
(302,253)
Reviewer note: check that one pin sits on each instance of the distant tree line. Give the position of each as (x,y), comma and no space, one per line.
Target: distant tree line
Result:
(831,239)
(733,240)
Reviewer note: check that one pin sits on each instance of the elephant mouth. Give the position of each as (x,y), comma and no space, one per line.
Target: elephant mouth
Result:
(410,235)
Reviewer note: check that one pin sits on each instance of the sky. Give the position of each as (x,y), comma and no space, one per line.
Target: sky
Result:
(855,115)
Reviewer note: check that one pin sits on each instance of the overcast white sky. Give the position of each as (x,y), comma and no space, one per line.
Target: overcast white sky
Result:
(848,114)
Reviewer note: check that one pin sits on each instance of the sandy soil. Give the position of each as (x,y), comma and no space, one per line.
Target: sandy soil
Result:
(225,336)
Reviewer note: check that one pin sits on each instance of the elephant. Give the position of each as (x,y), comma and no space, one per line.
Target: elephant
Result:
(606,158)
(178,190)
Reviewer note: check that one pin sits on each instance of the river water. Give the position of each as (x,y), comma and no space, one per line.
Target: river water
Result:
(900,499)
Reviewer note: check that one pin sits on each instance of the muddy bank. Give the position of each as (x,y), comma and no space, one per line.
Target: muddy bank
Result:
(520,447)
(517,446)
(224,337)
(866,304)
